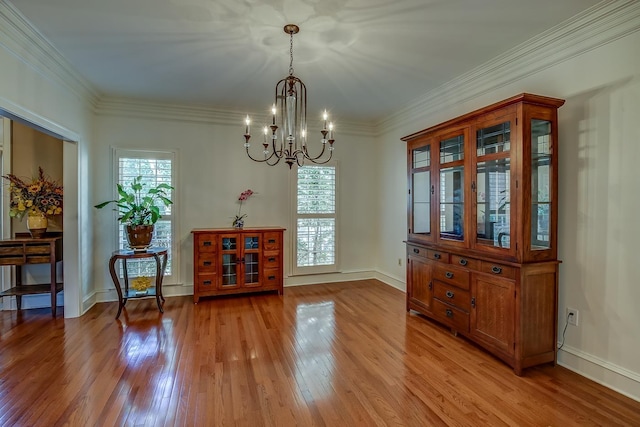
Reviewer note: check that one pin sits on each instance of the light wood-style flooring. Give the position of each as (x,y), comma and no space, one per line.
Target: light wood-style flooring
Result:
(342,354)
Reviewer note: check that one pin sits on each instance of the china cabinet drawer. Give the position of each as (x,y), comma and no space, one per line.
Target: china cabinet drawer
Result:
(466,262)
(428,253)
(451,316)
(498,269)
(452,275)
(416,251)
(207,243)
(452,295)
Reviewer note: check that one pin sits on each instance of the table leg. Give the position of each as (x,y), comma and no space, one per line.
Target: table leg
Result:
(18,284)
(53,285)
(116,282)
(159,274)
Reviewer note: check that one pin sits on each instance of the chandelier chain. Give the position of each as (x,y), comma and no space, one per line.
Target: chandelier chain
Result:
(291,54)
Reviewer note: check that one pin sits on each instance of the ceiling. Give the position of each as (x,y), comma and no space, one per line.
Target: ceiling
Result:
(360,59)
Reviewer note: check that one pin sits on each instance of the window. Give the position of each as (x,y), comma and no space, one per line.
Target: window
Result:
(155,167)
(315,220)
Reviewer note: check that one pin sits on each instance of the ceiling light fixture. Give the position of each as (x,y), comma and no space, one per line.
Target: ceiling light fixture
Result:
(286,137)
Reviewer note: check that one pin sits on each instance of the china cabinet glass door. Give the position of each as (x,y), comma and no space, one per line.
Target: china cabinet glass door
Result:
(420,191)
(492,185)
(540,184)
(451,195)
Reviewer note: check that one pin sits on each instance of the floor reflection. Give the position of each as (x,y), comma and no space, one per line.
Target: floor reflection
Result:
(315,334)
(147,349)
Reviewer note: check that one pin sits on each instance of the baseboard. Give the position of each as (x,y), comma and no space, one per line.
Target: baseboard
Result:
(606,373)
(37,301)
(391,281)
(110,295)
(314,279)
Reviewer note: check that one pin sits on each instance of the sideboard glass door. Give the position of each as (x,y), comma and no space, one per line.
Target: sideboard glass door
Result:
(230,262)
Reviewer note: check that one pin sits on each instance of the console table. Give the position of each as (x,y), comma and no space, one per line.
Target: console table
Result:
(124,255)
(23,249)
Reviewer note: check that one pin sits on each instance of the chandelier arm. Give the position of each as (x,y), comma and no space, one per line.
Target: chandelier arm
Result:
(258,160)
(308,156)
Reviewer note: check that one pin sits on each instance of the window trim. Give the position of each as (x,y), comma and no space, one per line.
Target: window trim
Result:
(294,270)
(159,154)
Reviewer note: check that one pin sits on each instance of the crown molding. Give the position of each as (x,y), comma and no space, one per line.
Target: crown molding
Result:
(601,24)
(130,107)
(33,49)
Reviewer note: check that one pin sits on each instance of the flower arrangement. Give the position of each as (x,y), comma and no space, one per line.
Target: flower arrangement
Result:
(40,197)
(238,220)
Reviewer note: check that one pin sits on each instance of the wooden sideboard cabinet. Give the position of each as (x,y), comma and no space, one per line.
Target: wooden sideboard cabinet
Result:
(235,261)
(22,250)
(482,227)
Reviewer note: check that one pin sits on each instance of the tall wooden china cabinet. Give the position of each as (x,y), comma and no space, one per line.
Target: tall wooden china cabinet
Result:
(482,227)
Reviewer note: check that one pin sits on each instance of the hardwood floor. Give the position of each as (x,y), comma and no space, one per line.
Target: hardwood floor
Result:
(343,354)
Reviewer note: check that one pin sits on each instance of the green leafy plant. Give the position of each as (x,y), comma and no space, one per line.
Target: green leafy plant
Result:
(137,207)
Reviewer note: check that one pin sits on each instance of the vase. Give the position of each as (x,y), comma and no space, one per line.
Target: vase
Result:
(37,225)
(238,223)
(139,236)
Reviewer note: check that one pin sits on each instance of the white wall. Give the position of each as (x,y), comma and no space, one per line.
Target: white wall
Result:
(599,197)
(213,170)
(37,88)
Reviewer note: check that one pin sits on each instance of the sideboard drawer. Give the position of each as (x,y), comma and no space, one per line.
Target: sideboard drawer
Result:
(207,243)
(271,241)
(271,277)
(206,263)
(271,259)
(206,282)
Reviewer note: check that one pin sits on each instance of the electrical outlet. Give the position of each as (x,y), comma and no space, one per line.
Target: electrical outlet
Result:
(572,316)
(400,262)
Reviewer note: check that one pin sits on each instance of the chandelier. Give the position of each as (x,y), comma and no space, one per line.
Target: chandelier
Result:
(286,137)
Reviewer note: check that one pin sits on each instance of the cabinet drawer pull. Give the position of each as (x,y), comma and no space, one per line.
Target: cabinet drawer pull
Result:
(448,275)
(430,285)
(436,256)
(496,270)
(463,261)
(272,259)
(272,277)
(449,313)
(206,282)
(416,251)
(473,302)
(449,294)
(206,263)
(206,243)
(272,240)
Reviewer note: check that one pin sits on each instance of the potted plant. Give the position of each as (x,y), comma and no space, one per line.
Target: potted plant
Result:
(139,210)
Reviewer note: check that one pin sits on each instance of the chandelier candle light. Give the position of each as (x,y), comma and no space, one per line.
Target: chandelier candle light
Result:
(286,137)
